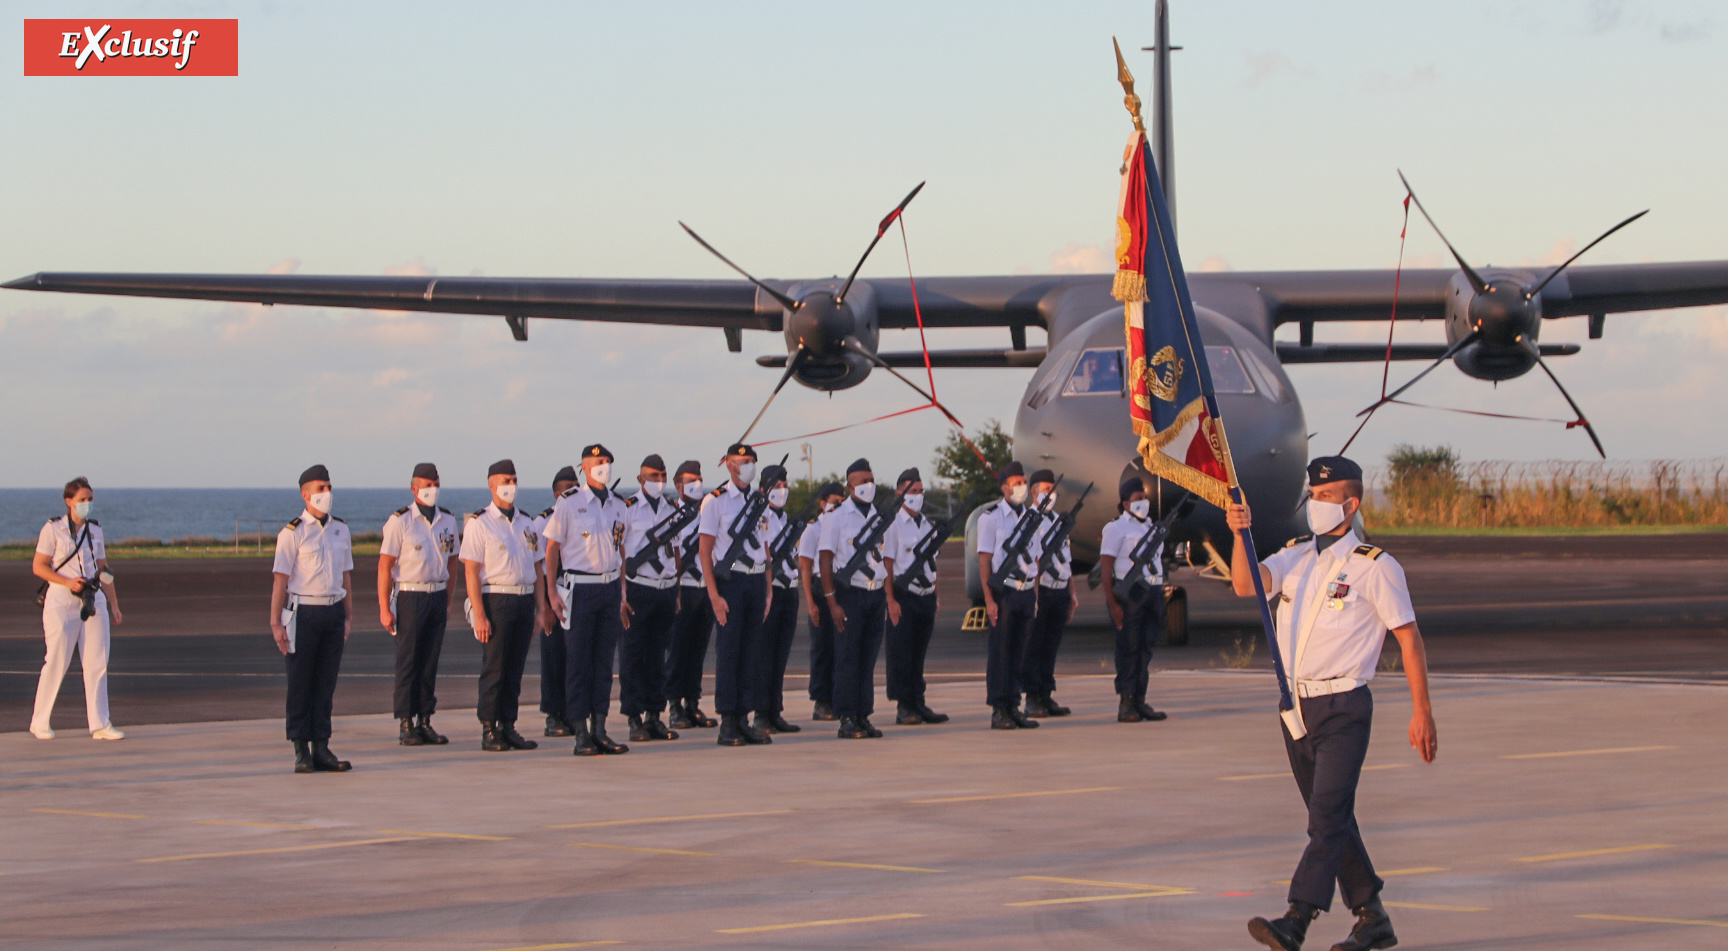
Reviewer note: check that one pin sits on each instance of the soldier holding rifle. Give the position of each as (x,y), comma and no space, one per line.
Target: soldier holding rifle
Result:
(828,497)
(1057,598)
(782,621)
(733,529)
(1008,561)
(909,550)
(652,522)
(853,576)
(1131,558)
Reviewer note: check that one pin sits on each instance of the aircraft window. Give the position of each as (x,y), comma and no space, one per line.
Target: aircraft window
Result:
(1265,376)
(1228,374)
(1099,373)
(1055,370)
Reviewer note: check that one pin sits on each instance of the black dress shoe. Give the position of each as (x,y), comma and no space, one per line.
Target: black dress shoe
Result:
(1054,709)
(822,711)
(730,734)
(783,725)
(597,728)
(585,745)
(1127,711)
(408,735)
(555,726)
(303,757)
(752,735)
(491,740)
(507,730)
(907,715)
(431,736)
(850,729)
(870,728)
(1373,930)
(657,730)
(763,724)
(325,761)
(930,716)
(1035,708)
(1021,720)
(1000,720)
(679,717)
(639,732)
(1146,711)
(699,718)
(1285,933)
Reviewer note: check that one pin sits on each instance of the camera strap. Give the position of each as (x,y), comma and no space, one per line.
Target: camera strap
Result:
(77,543)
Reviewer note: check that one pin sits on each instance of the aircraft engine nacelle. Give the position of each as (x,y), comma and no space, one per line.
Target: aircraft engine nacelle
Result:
(823,334)
(1505,320)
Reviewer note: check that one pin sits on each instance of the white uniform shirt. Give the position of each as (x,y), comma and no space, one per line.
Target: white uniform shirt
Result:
(689,552)
(507,550)
(719,512)
(641,516)
(902,539)
(840,531)
(1335,607)
(588,531)
(314,555)
(57,539)
(422,548)
(995,527)
(810,546)
(1062,565)
(1121,536)
(777,522)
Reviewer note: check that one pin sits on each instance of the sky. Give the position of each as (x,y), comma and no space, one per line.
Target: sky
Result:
(568,139)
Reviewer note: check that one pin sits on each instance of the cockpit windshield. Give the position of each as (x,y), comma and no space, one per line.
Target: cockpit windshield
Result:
(1099,372)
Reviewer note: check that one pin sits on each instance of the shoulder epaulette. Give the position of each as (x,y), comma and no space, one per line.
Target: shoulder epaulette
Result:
(444,510)
(93,522)
(294,523)
(719,490)
(1369,551)
(571,491)
(1298,540)
(55,519)
(991,507)
(339,518)
(630,501)
(545,514)
(402,511)
(475,514)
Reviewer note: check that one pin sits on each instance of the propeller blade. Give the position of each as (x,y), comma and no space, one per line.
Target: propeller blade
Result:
(852,344)
(1589,430)
(1556,272)
(1451,352)
(792,363)
(785,301)
(881,230)
(1469,272)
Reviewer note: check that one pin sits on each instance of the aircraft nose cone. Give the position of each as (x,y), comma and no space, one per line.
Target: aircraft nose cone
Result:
(820,323)
(1501,313)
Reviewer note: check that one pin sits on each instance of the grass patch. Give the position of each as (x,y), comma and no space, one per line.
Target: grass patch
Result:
(1434,531)
(183,548)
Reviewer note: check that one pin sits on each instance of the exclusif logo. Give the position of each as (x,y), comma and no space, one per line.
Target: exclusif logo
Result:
(131,47)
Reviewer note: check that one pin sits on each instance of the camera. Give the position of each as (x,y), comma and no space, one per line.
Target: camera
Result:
(87,594)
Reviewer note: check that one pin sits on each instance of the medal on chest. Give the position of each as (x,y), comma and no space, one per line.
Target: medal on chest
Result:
(1336,592)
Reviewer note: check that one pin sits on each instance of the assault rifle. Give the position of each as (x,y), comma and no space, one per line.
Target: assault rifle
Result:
(1057,534)
(924,555)
(1013,548)
(755,503)
(1136,589)
(661,536)
(869,536)
(786,542)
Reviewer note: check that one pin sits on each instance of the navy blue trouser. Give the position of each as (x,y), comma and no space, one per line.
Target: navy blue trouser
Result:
(738,643)
(1134,639)
(552,665)
(908,642)
(777,633)
(689,648)
(420,620)
(505,654)
(642,650)
(590,643)
(1015,612)
(1044,639)
(1327,764)
(312,670)
(822,652)
(855,649)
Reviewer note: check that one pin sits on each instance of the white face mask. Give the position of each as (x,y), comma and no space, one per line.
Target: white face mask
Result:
(746,472)
(914,503)
(777,497)
(320,502)
(506,493)
(1017,494)
(1324,516)
(830,506)
(653,489)
(1140,508)
(428,496)
(864,492)
(693,490)
(600,473)
(81,509)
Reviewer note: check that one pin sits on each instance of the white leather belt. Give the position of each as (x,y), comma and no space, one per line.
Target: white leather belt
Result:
(658,583)
(691,583)
(1326,688)
(317,600)
(506,589)
(1053,585)
(920,590)
(785,586)
(578,577)
(868,584)
(420,586)
(1018,585)
(750,571)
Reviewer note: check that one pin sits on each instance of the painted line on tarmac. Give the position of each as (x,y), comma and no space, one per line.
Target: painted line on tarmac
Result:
(651,819)
(1422,870)
(1593,852)
(444,835)
(879,868)
(1411,904)
(818,924)
(556,947)
(1161,893)
(633,848)
(255,825)
(1138,886)
(1659,921)
(1286,773)
(1600,752)
(94,815)
(1017,795)
(285,848)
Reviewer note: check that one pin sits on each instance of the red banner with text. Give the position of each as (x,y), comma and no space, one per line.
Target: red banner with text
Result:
(99,47)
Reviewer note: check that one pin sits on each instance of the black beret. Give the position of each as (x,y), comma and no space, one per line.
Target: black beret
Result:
(501,467)
(426,470)
(1010,470)
(771,475)
(1042,475)
(830,488)
(859,465)
(741,449)
(1333,469)
(566,474)
(597,451)
(688,467)
(654,462)
(1130,487)
(910,475)
(315,474)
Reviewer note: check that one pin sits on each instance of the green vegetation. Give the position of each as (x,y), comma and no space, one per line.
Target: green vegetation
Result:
(970,483)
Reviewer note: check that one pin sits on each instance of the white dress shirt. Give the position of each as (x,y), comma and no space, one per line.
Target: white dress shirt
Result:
(904,535)
(314,555)
(641,516)
(840,531)
(506,549)
(777,522)
(422,548)
(1062,564)
(588,530)
(1121,536)
(719,511)
(995,527)
(1335,607)
(58,541)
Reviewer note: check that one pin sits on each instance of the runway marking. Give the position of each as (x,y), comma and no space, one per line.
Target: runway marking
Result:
(631,822)
(880,868)
(1660,921)
(1408,871)
(1286,773)
(285,848)
(445,835)
(1161,893)
(1615,749)
(1087,881)
(1411,904)
(97,815)
(818,924)
(1018,795)
(633,848)
(256,825)
(555,947)
(1581,855)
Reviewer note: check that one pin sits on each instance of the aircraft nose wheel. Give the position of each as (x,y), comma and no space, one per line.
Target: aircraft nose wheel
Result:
(1175,615)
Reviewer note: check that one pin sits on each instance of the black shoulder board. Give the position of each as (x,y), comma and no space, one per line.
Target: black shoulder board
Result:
(1298,540)
(476,513)
(339,519)
(294,524)
(444,510)
(571,491)
(630,501)
(402,511)
(1369,551)
(991,507)
(55,519)
(94,522)
(545,514)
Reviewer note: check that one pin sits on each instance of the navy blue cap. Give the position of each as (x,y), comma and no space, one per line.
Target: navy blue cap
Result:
(859,465)
(426,470)
(830,488)
(653,461)
(315,474)
(1333,469)
(910,475)
(1010,470)
(597,451)
(772,475)
(741,449)
(1042,475)
(566,474)
(501,467)
(1130,487)
(688,467)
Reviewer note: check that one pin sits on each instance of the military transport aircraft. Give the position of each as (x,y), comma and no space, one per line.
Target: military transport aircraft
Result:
(1073,417)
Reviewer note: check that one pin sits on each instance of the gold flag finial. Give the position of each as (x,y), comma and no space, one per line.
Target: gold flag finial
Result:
(1131,101)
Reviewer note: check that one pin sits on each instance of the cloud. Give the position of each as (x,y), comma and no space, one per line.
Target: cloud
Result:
(1213,264)
(284,266)
(1271,64)
(414,268)
(1083,259)
(1684,32)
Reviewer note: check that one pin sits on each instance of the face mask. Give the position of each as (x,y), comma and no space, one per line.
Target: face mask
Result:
(864,492)
(320,501)
(81,509)
(507,494)
(1324,516)
(600,473)
(829,507)
(1140,508)
(428,496)
(914,503)
(693,490)
(777,497)
(653,489)
(1017,494)
(746,472)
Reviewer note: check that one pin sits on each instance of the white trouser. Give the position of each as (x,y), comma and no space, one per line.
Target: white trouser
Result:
(65,633)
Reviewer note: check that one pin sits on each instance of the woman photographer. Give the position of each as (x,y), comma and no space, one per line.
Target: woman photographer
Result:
(77,604)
